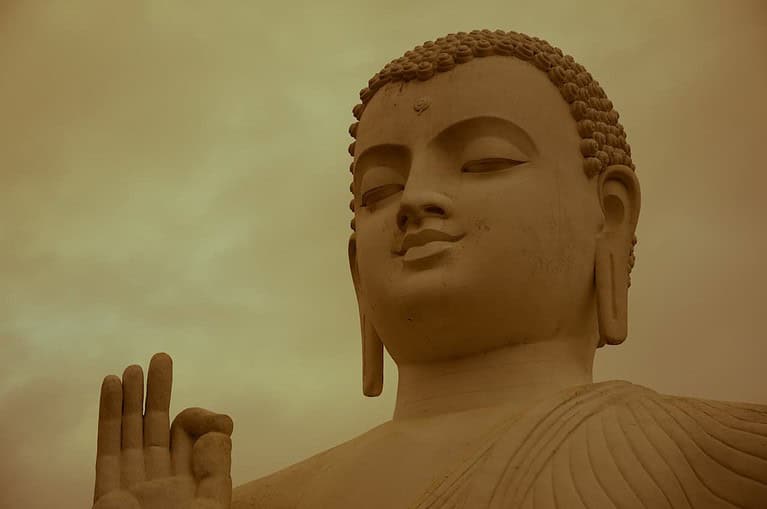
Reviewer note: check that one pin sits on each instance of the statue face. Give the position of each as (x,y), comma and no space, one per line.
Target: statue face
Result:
(487,157)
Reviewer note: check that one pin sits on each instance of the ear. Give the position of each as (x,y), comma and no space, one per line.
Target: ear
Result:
(372,347)
(619,198)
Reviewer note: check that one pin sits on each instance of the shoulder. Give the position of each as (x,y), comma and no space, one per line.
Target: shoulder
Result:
(285,488)
(729,436)
(729,427)
(689,451)
(729,410)
(621,444)
(281,489)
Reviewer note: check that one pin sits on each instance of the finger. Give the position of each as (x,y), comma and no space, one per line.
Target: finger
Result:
(211,465)
(156,418)
(132,457)
(189,425)
(108,442)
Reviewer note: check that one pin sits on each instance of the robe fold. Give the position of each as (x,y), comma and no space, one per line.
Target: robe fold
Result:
(614,445)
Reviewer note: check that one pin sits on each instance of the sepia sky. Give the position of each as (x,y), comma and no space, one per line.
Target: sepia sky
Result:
(174,177)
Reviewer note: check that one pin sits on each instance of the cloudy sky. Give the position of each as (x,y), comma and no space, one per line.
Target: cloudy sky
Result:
(174,177)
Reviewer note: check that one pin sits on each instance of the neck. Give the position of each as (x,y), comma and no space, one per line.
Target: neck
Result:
(516,375)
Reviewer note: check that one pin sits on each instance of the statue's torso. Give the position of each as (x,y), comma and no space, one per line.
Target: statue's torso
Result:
(388,472)
(613,444)
(389,466)
(394,464)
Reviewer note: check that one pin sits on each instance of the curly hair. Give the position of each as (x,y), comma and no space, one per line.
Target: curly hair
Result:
(603,139)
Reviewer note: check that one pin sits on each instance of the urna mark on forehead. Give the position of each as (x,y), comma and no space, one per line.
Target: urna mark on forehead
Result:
(412,113)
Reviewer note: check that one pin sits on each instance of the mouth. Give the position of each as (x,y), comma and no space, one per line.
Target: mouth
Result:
(421,248)
(430,250)
(421,242)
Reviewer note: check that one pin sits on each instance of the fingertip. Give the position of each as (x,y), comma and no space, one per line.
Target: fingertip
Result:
(161,358)
(132,372)
(225,424)
(111,397)
(111,385)
(159,382)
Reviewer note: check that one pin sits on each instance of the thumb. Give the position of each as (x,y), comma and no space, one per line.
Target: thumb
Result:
(211,464)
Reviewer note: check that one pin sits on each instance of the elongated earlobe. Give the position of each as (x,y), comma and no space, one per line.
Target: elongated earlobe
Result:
(372,347)
(372,359)
(620,200)
(611,274)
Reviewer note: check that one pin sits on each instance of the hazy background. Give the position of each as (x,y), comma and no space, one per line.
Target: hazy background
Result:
(174,177)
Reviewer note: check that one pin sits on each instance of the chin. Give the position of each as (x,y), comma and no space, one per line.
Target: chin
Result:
(419,334)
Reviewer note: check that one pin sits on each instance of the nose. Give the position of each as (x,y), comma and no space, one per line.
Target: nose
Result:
(418,204)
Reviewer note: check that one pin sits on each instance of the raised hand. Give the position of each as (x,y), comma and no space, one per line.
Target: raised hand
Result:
(143,463)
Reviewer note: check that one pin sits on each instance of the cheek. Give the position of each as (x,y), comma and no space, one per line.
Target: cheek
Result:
(374,243)
(515,217)
(519,234)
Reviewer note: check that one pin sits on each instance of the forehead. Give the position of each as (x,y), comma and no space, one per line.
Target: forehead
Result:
(497,86)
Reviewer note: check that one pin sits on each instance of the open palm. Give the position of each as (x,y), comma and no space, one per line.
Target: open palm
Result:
(142,462)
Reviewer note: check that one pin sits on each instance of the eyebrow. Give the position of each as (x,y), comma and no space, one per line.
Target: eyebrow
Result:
(483,124)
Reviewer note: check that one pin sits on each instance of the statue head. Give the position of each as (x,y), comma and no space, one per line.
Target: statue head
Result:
(495,203)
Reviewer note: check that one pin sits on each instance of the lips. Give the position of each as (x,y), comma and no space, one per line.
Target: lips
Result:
(423,237)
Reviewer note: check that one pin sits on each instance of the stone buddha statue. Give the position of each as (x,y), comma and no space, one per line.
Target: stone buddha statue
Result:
(495,207)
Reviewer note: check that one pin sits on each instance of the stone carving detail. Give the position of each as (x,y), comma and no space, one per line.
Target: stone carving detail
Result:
(617,444)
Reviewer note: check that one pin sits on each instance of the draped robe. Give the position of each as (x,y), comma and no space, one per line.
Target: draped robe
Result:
(606,445)
(615,444)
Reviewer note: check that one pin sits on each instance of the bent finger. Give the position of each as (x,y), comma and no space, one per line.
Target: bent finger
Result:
(189,425)
(108,441)
(211,465)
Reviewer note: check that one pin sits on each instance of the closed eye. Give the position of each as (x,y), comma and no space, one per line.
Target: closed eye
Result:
(379,193)
(489,164)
